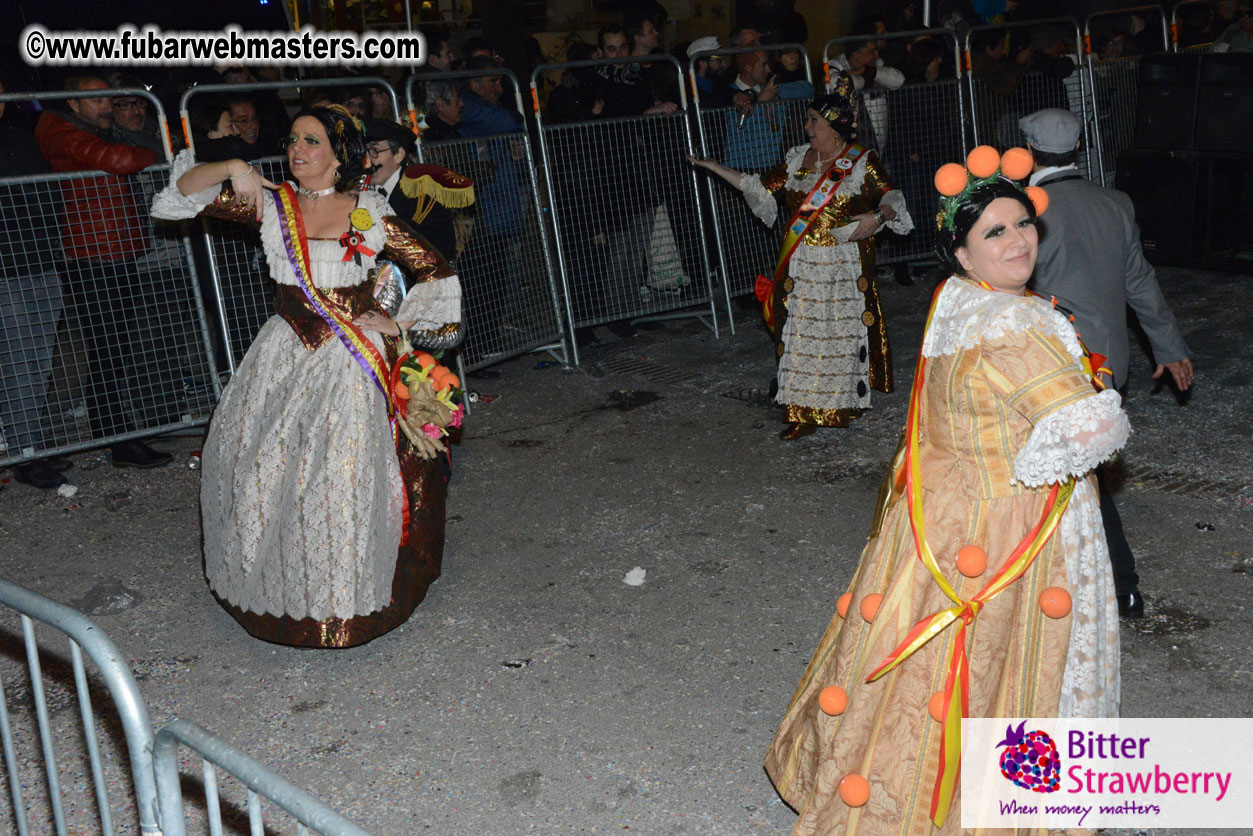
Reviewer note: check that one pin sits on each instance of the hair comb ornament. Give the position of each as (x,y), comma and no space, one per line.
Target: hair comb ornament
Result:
(984,165)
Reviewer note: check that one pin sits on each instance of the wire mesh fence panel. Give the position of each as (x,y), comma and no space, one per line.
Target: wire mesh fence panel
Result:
(996,112)
(923,132)
(242,288)
(626,210)
(754,143)
(1114,94)
(508,291)
(103,328)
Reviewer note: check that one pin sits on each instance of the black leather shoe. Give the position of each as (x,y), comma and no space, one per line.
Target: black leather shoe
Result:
(138,454)
(39,475)
(1131,605)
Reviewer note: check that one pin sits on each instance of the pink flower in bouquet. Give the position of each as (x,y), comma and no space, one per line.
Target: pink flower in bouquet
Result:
(432,431)
(454,420)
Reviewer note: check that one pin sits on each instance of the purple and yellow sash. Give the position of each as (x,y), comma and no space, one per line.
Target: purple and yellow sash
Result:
(956,685)
(809,210)
(367,355)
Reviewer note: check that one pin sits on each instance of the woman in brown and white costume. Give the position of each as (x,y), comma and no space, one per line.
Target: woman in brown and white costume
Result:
(322,527)
(821,305)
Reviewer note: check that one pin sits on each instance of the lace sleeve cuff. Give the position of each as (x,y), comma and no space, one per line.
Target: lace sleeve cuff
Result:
(902,223)
(434,308)
(759,200)
(170,204)
(1073,440)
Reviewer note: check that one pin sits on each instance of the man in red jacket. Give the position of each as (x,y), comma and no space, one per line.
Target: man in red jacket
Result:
(102,233)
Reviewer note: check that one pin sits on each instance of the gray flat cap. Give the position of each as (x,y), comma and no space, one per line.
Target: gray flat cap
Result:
(1053,130)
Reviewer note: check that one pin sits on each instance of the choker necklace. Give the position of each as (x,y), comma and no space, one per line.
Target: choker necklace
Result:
(311,194)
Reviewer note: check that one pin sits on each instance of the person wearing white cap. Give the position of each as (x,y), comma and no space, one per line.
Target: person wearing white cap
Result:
(708,67)
(1092,264)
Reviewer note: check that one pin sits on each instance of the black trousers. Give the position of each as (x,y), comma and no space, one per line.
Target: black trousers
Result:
(1121,559)
(105,296)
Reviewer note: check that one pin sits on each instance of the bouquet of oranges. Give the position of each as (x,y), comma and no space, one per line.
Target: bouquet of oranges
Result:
(428,399)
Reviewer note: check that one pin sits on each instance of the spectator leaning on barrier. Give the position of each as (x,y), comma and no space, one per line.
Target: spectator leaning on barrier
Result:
(577,97)
(443,111)
(247,123)
(754,128)
(30,303)
(495,250)
(102,233)
(132,120)
(709,68)
(1092,264)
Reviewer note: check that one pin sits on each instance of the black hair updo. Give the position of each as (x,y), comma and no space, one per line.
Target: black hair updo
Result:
(968,214)
(347,143)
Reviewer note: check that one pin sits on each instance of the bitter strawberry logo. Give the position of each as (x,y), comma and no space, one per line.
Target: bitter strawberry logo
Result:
(1030,759)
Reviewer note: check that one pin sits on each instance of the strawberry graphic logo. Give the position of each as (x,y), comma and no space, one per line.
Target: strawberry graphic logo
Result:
(1030,759)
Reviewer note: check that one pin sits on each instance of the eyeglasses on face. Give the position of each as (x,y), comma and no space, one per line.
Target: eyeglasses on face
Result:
(245,120)
(374,151)
(127,104)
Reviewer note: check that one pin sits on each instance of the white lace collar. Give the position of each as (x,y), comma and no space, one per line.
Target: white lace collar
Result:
(967,315)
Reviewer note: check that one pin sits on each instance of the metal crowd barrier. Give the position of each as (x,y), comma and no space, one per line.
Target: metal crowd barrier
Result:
(510,297)
(242,286)
(629,235)
(756,143)
(1114,86)
(995,115)
(1175,26)
(149,761)
(917,128)
(103,333)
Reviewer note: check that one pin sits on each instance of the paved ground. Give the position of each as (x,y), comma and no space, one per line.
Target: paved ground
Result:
(534,690)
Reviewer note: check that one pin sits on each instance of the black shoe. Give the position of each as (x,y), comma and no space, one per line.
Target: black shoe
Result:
(1131,605)
(138,454)
(586,337)
(39,475)
(903,274)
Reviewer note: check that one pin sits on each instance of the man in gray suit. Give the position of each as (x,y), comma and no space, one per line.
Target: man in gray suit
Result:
(1092,265)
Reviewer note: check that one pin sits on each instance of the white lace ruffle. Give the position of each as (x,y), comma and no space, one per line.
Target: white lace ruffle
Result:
(967,315)
(760,201)
(432,305)
(902,223)
(1073,440)
(1091,681)
(170,204)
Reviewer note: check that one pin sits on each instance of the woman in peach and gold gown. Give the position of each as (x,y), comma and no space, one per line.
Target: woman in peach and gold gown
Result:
(1004,425)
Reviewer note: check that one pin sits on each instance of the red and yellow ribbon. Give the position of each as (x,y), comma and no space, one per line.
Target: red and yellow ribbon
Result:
(957,683)
(367,355)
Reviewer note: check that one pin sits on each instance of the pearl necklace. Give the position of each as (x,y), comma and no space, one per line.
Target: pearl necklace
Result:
(311,194)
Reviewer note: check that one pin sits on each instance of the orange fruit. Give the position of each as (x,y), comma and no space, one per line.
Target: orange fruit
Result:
(425,360)
(972,561)
(400,391)
(1016,163)
(453,380)
(854,790)
(983,161)
(1039,199)
(870,605)
(1055,602)
(935,706)
(833,700)
(841,604)
(950,179)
